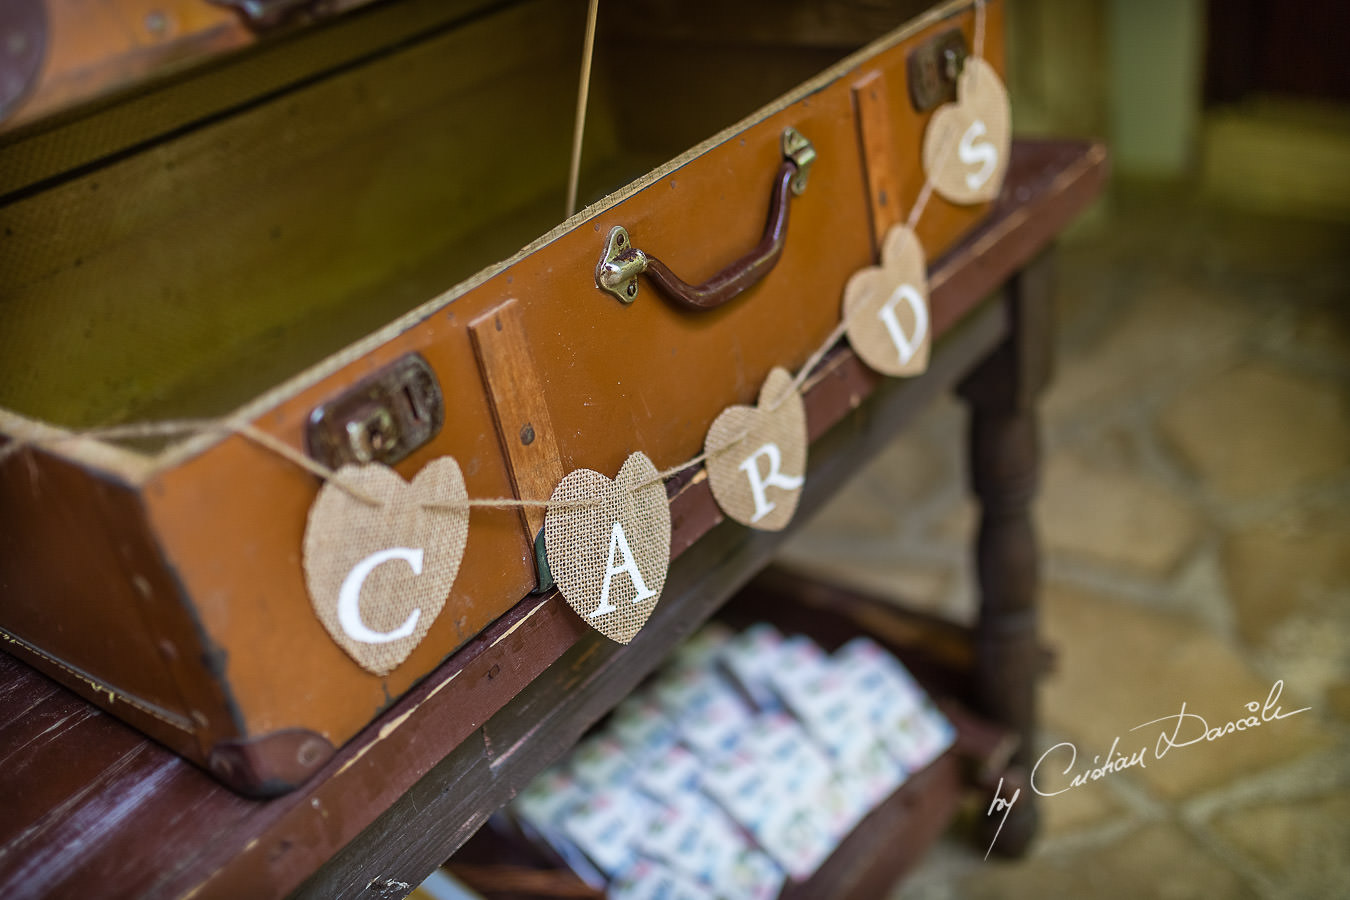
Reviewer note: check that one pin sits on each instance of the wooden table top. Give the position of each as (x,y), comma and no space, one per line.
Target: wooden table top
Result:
(89,807)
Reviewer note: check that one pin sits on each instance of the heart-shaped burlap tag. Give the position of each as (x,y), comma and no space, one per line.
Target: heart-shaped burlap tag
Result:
(608,545)
(886,307)
(378,576)
(965,147)
(757,456)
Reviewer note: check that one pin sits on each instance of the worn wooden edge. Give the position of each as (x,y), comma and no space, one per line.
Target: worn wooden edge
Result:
(276,847)
(279,843)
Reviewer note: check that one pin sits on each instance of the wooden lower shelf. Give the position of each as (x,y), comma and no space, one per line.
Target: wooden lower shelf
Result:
(880,849)
(890,839)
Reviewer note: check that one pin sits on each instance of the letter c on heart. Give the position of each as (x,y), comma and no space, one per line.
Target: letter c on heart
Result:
(349,597)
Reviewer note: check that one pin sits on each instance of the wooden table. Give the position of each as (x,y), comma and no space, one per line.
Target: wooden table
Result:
(89,808)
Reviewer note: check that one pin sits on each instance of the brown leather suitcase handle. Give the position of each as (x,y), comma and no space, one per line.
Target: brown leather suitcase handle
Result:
(622,263)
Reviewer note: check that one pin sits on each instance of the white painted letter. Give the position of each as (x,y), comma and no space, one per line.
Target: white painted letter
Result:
(983,153)
(775,478)
(349,597)
(906,346)
(618,540)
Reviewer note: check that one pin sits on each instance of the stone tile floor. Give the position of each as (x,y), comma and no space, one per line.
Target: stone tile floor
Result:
(1195,521)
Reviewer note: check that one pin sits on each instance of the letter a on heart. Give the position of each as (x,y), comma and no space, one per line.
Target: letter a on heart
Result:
(608,545)
(618,546)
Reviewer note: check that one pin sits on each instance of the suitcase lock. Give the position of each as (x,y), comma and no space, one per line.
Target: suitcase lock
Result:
(382,418)
(934,67)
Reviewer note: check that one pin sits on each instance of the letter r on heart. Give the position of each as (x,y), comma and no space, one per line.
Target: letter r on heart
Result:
(775,478)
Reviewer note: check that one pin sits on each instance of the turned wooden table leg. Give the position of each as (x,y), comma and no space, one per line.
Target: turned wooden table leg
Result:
(1004,468)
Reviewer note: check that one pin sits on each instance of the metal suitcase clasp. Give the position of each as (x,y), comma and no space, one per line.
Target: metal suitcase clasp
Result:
(381,418)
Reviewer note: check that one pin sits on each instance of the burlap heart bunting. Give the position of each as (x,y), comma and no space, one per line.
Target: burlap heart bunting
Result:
(886,308)
(608,545)
(378,576)
(965,147)
(757,456)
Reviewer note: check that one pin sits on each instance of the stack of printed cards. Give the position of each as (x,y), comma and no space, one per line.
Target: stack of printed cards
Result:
(745,763)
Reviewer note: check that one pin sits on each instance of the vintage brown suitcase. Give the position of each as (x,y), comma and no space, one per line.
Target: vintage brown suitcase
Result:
(307,267)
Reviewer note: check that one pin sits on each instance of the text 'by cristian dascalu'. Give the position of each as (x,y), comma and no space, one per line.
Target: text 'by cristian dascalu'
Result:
(1175,732)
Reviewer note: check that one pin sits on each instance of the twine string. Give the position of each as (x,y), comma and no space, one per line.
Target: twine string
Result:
(583,93)
(978,49)
(40,435)
(290,454)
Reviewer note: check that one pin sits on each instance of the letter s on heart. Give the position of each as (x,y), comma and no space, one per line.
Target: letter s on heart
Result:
(974,151)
